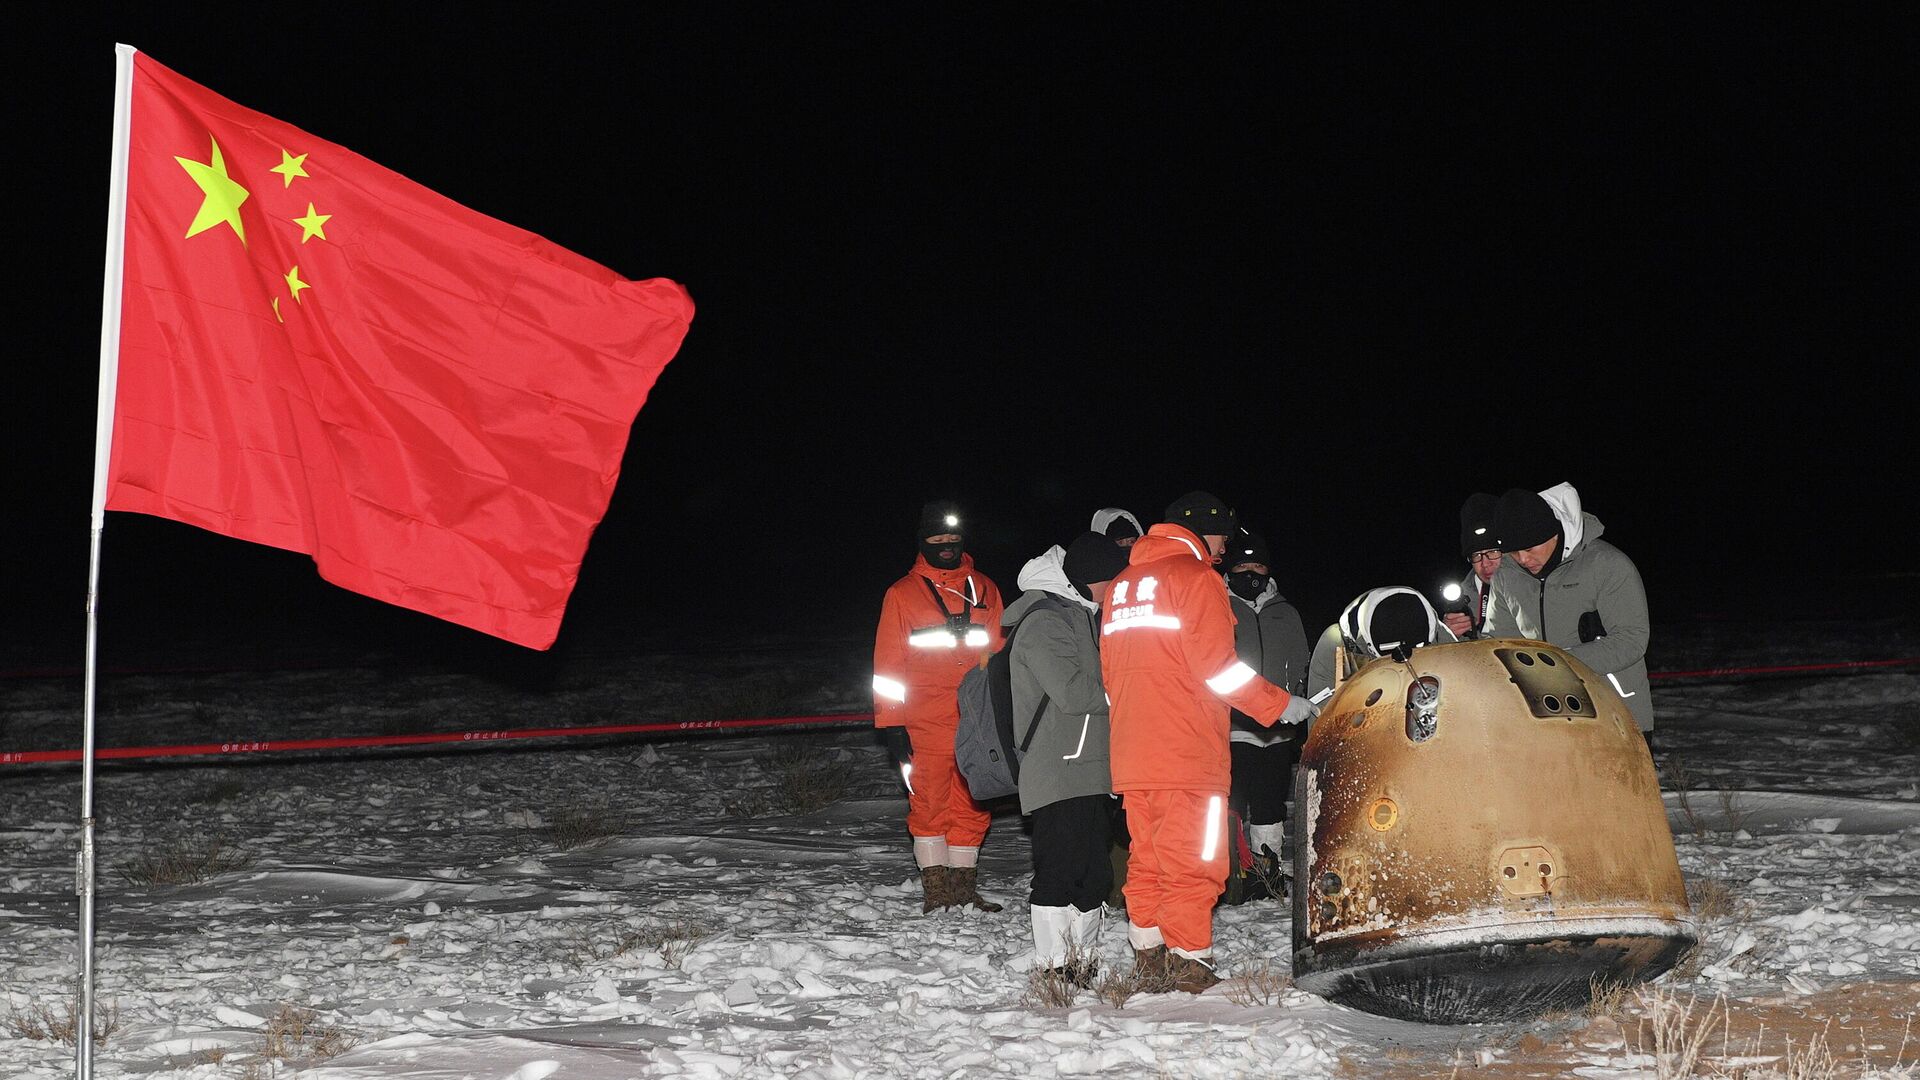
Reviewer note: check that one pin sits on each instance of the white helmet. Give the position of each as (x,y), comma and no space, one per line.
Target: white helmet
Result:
(1381,620)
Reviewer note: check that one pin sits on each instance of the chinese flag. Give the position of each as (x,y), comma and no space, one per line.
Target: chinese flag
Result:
(319,354)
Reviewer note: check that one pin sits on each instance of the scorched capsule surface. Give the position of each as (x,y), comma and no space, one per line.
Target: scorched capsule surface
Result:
(1482,837)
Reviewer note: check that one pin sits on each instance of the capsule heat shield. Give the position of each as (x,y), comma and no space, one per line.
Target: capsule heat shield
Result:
(1482,836)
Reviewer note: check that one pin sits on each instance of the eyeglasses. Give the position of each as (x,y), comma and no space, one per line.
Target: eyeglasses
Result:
(1489,555)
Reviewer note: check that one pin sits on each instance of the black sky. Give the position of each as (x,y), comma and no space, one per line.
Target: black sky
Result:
(1340,273)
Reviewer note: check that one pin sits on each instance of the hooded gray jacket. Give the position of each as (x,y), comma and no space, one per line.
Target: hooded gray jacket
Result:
(1057,653)
(1592,576)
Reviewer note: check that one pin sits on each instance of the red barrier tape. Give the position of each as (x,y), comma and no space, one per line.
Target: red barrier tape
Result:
(22,757)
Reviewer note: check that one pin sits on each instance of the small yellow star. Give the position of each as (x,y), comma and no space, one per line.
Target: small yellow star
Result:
(294,284)
(290,167)
(276,310)
(310,226)
(223,194)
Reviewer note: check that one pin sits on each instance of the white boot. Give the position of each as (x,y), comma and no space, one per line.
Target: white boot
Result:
(1051,929)
(1084,929)
(1083,937)
(1271,837)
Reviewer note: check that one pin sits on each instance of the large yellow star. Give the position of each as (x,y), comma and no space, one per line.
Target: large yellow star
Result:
(290,167)
(223,194)
(294,284)
(310,226)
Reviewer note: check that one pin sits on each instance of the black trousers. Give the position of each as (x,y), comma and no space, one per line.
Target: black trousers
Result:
(1262,780)
(1070,864)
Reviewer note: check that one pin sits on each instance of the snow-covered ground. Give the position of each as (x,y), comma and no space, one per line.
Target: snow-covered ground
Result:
(418,904)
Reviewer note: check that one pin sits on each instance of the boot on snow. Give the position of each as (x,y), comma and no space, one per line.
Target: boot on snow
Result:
(963,890)
(1191,974)
(935,890)
(1150,970)
(1065,943)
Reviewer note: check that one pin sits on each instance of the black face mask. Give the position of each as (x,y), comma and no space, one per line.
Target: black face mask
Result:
(1248,585)
(941,556)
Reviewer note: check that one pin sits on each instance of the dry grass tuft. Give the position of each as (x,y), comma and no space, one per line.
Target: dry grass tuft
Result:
(1682,1038)
(673,938)
(1679,781)
(582,824)
(1120,984)
(1679,1037)
(41,1022)
(187,862)
(1720,913)
(212,1055)
(224,790)
(1713,901)
(1261,985)
(298,1037)
(806,777)
(1055,988)
(1050,988)
(1117,987)
(1736,815)
(1606,996)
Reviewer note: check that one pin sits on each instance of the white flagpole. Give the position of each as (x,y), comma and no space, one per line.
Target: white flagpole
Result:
(102,447)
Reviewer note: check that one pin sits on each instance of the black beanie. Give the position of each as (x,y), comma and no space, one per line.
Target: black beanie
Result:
(1246,546)
(1476,523)
(1093,558)
(1204,514)
(1524,520)
(939,517)
(1121,528)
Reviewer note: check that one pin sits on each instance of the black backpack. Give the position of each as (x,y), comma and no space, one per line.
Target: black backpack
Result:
(983,744)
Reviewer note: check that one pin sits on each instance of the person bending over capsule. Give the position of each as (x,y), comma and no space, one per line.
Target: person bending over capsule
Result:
(1378,622)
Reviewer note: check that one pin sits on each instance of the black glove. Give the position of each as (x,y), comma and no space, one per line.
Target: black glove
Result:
(1591,628)
(898,743)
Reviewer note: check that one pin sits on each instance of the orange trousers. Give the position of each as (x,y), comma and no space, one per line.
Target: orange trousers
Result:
(941,805)
(1178,863)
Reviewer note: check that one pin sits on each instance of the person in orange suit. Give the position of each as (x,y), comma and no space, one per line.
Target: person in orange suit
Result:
(936,623)
(1168,661)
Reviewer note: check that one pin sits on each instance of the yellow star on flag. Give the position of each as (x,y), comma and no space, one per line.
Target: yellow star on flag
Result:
(310,226)
(290,167)
(223,194)
(294,284)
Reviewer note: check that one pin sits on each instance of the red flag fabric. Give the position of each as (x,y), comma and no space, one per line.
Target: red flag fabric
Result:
(319,354)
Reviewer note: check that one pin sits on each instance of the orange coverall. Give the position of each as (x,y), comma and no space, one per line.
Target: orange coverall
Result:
(917,668)
(1167,658)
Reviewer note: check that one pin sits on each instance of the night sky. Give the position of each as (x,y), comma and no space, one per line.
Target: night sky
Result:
(1341,274)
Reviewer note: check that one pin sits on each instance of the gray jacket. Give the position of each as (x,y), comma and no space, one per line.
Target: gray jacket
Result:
(1057,653)
(1268,635)
(1593,576)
